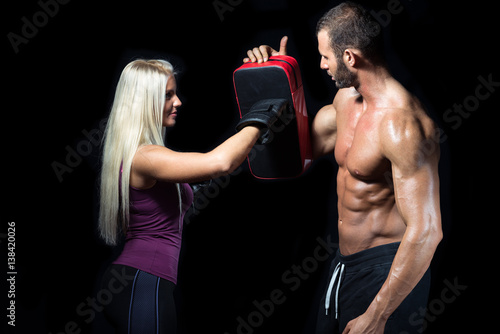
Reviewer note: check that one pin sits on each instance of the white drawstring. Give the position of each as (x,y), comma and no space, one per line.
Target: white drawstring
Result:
(338,268)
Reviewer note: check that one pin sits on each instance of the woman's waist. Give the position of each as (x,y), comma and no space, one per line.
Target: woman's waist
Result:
(155,256)
(147,246)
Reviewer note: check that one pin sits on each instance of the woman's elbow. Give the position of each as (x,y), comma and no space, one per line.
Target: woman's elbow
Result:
(222,165)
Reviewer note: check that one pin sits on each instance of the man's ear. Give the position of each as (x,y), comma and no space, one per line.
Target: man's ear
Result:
(351,58)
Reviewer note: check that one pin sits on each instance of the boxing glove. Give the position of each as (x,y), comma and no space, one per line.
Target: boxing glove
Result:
(270,115)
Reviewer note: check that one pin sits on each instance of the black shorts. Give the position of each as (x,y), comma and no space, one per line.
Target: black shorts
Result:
(141,303)
(358,278)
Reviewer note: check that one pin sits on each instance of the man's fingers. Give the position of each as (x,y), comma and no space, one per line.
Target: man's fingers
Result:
(264,52)
(251,56)
(261,54)
(258,55)
(283,42)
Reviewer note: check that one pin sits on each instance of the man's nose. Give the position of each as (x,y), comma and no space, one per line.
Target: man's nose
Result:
(323,64)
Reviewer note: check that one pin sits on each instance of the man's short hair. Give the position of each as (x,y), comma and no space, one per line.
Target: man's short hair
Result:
(349,25)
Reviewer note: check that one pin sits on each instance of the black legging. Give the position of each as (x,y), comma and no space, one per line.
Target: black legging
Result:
(141,302)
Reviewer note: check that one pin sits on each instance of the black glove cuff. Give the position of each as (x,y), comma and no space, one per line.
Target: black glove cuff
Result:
(264,114)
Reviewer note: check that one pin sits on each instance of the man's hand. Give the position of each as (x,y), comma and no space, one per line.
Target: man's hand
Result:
(364,324)
(261,54)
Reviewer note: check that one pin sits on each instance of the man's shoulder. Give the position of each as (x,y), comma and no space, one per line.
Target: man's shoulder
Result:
(344,97)
(407,113)
(407,131)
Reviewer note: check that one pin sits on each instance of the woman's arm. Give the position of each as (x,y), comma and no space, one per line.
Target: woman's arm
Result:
(160,163)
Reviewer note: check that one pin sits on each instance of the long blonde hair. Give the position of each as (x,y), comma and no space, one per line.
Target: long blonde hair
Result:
(136,119)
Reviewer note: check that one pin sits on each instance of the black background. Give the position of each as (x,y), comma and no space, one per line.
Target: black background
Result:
(236,249)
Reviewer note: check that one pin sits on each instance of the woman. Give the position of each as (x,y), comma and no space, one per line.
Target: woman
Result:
(144,193)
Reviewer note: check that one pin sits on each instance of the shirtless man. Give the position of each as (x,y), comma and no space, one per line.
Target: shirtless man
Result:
(388,185)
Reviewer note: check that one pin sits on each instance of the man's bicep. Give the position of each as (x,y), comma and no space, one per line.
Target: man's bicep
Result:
(415,175)
(324,131)
(417,194)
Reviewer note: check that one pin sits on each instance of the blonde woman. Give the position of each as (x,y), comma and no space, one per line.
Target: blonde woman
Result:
(145,193)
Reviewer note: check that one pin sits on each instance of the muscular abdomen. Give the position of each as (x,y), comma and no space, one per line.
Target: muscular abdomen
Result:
(368,216)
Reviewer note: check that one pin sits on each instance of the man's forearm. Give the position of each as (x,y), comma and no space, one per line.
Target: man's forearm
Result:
(410,263)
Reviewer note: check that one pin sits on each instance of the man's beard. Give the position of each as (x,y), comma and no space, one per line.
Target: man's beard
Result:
(343,77)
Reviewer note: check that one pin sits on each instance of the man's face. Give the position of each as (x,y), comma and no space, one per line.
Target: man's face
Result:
(334,65)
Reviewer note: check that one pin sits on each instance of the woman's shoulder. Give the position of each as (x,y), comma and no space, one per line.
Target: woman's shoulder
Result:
(142,172)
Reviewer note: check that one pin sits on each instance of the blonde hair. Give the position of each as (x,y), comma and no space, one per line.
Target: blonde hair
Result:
(136,119)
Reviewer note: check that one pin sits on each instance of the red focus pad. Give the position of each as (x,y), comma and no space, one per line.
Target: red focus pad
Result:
(288,152)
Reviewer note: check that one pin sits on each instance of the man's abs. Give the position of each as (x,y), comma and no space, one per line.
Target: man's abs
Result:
(368,216)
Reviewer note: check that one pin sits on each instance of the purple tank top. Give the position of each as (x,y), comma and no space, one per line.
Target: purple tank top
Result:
(153,240)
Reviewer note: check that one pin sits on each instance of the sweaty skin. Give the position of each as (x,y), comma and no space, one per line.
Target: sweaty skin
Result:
(367,207)
(387,182)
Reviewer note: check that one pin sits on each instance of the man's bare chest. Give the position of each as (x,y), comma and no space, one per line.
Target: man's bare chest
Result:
(358,148)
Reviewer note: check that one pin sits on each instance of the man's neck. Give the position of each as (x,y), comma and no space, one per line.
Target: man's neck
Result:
(373,83)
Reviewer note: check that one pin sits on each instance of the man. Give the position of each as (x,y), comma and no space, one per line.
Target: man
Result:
(388,186)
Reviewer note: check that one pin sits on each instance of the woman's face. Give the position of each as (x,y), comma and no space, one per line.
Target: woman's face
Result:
(172,102)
